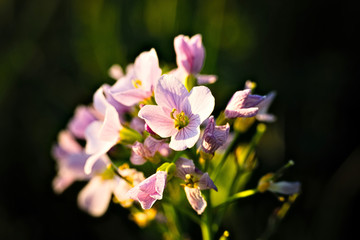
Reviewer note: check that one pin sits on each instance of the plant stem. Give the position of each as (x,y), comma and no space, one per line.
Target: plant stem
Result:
(207,219)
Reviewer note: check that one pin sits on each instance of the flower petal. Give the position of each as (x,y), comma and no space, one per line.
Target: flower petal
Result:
(185,138)
(158,121)
(195,199)
(184,166)
(99,101)
(149,190)
(170,92)
(132,96)
(67,142)
(205,182)
(147,69)
(206,79)
(111,126)
(202,102)
(190,53)
(82,118)
(95,197)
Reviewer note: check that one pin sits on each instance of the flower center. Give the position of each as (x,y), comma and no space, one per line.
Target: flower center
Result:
(191,181)
(137,83)
(180,119)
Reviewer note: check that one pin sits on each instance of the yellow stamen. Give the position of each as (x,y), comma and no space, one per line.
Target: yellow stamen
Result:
(137,83)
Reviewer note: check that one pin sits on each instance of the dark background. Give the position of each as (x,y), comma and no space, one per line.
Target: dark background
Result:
(55,54)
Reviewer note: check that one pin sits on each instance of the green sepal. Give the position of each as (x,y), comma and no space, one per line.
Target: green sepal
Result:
(190,82)
(169,168)
(129,136)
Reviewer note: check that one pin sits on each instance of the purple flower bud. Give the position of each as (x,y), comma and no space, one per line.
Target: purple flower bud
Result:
(243,104)
(214,136)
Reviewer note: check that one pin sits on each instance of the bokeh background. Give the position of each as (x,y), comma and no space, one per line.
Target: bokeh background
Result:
(55,54)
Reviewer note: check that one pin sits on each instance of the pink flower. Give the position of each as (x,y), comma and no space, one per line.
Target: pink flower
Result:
(214,136)
(195,181)
(141,152)
(95,197)
(179,113)
(82,118)
(71,158)
(243,104)
(140,80)
(190,54)
(149,190)
(102,136)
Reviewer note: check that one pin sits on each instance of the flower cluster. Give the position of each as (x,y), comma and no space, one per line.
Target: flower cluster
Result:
(151,131)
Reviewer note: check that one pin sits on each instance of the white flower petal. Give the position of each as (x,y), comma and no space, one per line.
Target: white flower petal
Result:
(195,199)
(202,102)
(94,198)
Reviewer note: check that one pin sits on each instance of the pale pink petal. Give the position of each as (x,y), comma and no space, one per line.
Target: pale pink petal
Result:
(198,53)
(137,124)
(92,137)
(111,126)
(242,104)
(124,83)
(94,198)
(180,74)
(90,162)
(206,79)
(82,118)
(120,108)
(185,138)
(195,199)
(202,102)
(60,183)
(158,121)
(100,137)
(138,154)
(284,187)
(149,190)
(147,69)
(99,101)
(67,142)
(132,96)
(190,53)
(153,145)
(170,92)
(183,53)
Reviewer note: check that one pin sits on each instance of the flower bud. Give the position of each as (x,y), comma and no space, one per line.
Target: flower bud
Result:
(214,137)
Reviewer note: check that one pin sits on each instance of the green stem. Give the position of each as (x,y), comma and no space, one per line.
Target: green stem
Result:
(242,194)
(207,219)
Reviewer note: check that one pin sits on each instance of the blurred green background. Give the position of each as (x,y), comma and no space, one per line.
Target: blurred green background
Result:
(55,54)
